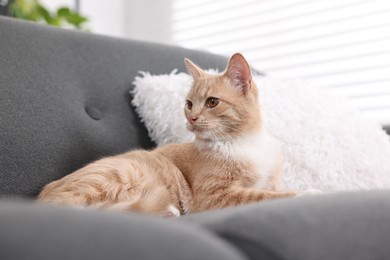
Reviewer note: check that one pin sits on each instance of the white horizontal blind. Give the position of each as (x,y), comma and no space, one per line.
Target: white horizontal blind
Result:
(341,44)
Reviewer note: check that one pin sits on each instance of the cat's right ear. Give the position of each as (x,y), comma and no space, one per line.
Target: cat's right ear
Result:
(193,69)
(239,72)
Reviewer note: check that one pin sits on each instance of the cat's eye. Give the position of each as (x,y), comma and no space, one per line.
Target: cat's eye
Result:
(212,102)
(189,105)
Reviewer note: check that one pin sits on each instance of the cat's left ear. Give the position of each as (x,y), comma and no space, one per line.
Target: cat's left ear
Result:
(239,72)
(193,69)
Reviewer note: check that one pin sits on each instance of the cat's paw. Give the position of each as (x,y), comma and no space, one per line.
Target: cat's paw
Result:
(172,212)
(309,192)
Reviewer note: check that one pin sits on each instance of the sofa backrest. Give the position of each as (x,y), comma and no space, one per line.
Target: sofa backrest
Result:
(64,99)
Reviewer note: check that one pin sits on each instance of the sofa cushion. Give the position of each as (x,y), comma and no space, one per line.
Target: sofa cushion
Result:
(340,226)
(31,231)
(64,99)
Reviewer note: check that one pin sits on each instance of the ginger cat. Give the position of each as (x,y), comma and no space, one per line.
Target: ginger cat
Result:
(232,160)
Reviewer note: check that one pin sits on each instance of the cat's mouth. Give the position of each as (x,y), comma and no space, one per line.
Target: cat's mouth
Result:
(196,129)
(201,131)
(193,128)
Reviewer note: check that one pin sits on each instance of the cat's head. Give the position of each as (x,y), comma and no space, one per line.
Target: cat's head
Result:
(223,106)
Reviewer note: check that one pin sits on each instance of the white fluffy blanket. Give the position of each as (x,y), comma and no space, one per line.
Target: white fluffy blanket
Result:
(327,145)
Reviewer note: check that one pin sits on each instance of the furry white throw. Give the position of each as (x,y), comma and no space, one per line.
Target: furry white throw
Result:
(327,145)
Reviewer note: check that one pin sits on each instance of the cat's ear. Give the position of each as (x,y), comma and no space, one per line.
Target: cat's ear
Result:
(193,69)
(239,72)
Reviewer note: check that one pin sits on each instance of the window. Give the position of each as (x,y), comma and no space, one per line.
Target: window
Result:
(340,44)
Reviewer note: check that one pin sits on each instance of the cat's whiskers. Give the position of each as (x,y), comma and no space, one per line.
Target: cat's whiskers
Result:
(228,127)
(216,129)
(222,133)
(222,136)
(226,123)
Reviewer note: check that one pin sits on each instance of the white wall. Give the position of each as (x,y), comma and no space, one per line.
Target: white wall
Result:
(148,20)
(105,17)
(144,19)
(50,4)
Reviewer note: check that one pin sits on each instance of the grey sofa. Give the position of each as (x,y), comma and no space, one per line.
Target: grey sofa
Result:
(64,102)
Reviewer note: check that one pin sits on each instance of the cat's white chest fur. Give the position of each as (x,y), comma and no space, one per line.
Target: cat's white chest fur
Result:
(262,151)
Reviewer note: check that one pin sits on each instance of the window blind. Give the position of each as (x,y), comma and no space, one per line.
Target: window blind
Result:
(340,44)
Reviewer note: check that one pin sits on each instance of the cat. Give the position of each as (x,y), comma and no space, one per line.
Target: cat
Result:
(232,160)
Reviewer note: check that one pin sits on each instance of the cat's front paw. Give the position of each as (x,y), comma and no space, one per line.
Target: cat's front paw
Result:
(309,192)
(172,212)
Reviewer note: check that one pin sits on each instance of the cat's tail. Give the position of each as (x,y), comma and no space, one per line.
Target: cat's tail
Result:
(116,183)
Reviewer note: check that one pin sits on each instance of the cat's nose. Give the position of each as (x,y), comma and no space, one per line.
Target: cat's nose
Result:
(193,119)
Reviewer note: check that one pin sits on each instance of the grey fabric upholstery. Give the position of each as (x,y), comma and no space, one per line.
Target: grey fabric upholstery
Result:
(30,231)
(64,99)
(353,225)
(338,227)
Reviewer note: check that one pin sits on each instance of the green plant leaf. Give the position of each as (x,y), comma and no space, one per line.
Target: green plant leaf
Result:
(63,12)
(43,12)
(33,10)
(75,19)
